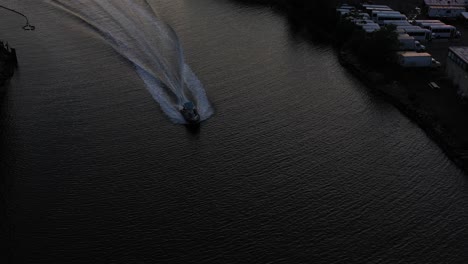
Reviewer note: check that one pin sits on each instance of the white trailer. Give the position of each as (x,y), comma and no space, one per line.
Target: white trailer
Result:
(381,17)
(408,42)
(353,16)
(420,34)
(343,12)
(427,25)
(418,22)
(400,31)
(372,10)
(416,59)
(371,5)
(375,12)
(444,31)
(412,27)
(397,22)
(364,15)
(370,28)
(375,6)
(346,6)
(363,22)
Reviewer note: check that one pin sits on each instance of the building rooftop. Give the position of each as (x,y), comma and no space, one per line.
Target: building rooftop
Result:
(451,7)
(446,2)
(462,52)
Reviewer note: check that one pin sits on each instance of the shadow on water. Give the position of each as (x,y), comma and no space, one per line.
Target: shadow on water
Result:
(193,129)
(312,21)
(6,158)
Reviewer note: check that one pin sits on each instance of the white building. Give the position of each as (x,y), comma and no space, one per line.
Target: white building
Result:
(444,11)
(446,3)
(445,8)
(457,68)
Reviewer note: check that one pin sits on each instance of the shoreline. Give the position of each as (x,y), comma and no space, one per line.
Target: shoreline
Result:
(412,98)
(435,130)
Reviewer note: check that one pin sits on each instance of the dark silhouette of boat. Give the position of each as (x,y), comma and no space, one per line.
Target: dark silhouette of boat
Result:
(190,113)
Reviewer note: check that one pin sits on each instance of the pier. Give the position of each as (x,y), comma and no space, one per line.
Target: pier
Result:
(8,62)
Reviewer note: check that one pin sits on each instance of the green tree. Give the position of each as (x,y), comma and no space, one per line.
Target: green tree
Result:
(379,48)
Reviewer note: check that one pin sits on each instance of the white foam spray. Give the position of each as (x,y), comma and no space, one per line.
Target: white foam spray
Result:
(132,28)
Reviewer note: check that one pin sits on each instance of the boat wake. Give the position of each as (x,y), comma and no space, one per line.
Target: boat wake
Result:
(133,29)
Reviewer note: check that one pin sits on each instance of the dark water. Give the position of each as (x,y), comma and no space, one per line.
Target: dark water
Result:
(299,163)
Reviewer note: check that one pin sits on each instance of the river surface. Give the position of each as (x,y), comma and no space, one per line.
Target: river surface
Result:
(298,164)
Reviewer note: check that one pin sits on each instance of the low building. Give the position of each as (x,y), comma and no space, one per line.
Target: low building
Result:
(446,3)
(445,11)
(457,68)
(445,8)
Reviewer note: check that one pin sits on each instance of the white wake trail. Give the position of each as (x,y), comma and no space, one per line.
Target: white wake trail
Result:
(133,30)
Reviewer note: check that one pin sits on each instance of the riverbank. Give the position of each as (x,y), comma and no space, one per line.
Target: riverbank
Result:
(312,20)
(439,112)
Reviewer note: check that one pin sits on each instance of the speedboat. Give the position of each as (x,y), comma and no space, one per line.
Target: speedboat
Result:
(190,113)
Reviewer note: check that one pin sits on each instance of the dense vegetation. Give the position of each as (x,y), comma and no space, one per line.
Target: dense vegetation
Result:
(313,16)
(377,48)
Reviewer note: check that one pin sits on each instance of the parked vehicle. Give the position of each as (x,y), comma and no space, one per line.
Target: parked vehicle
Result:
(397,22)
(371,5)
(363,15)
(418,33)
(370,28)
(342,11)
(416,59)
(371,10)
(418,21)
(427,25)
(444,31)
(367,26)
(434,85)
(374,13)
(409,43)
(381,17)
(346,6)
(362,21)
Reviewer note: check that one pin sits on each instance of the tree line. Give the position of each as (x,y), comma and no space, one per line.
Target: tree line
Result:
(310,15)
(318,18)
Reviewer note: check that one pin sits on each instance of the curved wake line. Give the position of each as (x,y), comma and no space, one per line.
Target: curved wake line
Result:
(134,31)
